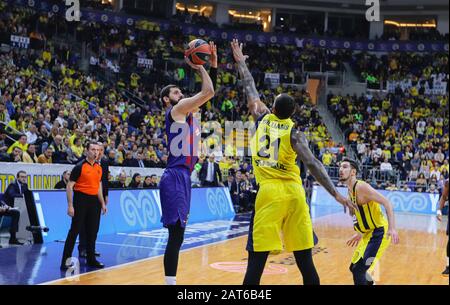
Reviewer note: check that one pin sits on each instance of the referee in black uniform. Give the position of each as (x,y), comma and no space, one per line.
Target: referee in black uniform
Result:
(105,170)
(85,201)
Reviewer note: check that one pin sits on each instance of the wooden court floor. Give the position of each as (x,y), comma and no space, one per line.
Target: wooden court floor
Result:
(418,259)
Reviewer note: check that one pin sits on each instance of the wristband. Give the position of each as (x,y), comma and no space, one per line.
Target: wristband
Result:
(439,212)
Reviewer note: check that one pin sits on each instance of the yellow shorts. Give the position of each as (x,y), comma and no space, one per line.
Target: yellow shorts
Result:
(281,214)
(371,247)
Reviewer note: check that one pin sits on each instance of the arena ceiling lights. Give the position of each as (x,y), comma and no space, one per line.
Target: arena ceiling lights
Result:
(200,9)
(410,25)
(264,15)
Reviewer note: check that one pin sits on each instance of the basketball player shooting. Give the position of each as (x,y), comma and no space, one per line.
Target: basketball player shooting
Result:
(175,184)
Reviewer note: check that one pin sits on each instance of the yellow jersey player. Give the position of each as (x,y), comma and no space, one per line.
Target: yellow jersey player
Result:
(374,233)
(281,213)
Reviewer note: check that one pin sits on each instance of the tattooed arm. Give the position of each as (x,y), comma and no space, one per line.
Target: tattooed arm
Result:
(300,146)
(256,107)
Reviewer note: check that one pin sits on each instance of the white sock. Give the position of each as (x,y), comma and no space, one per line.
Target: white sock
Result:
(171,280)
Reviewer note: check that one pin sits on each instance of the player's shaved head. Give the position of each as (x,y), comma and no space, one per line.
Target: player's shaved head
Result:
(284,106)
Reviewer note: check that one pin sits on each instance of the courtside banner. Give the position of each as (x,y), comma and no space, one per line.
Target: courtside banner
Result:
(407,202)
(131,210)
(45,176)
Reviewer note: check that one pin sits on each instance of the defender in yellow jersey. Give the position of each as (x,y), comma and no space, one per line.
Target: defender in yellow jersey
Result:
(281,202)
(281,218)
(374,232)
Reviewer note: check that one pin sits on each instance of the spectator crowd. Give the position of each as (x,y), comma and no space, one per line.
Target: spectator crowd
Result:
(50,106)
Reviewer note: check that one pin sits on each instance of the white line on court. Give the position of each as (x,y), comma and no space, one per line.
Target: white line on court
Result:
(125,245)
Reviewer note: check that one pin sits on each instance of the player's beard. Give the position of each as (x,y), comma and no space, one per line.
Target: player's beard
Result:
(174,102)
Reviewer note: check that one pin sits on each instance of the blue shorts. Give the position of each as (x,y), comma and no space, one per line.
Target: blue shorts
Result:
(175,196)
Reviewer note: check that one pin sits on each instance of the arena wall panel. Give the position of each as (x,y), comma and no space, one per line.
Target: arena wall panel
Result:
(131,210)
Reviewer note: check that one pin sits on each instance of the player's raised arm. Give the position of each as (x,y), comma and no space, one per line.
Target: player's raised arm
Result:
(368,193)
(300,146)
(254,104)
(186,105)
(213,64)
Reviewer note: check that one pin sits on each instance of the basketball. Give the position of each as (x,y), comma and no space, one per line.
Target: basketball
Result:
(198,52)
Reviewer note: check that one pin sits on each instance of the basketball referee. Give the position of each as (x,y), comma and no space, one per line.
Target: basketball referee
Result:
(105,170)
(85,200)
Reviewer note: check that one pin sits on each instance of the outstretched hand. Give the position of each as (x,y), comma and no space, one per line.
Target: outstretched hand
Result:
(354,240)
(238,55)
(213,59)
